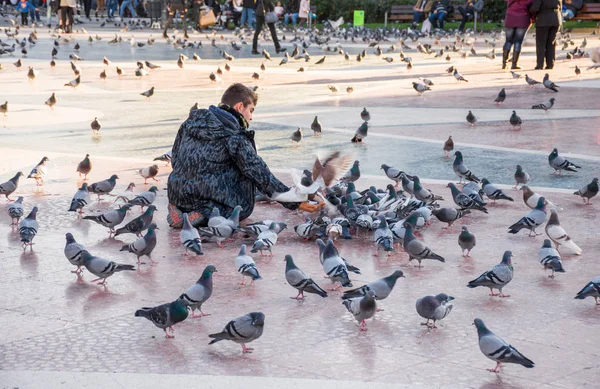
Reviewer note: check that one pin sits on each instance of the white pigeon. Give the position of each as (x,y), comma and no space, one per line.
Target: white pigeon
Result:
(559,236)
(189,237)
(265,240)
(246,266)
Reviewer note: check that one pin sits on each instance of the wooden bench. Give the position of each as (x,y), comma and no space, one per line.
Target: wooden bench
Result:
(590,11)
(405,13)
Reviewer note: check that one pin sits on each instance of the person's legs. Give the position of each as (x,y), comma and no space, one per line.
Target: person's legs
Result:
(417,16)
(294,19)
(274,36)
(87,7)
(252,18)
(260,20)
(519,36)
(302,21)
(510,37)
(433,19)
(70,13)
(568,14)
(23,18)
(541,36)
(131,9)
(244,17)
(100,8)
(169,20)
(286,19)
(441,18)
(551,47)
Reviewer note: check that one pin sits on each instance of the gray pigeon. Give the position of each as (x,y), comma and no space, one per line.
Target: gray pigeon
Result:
(461,170)
(591,289)
(139,224)
(297,136)
(189,237)
(449,215)
(549,84)
(493,192)
(299,280)
(200,292)
(383,237)
(28,229)
(466,241)
(497,349)
(316,127)
(73,252)
(145,198)
(246,266)
(472,119)
(521,176)
(497,277)
(361,133)
(535,218)
(334,265)
(144,245)
(417,249)
(587,192)
(15,211)
(102,268)
(393,174)
(165,316)
(382,287)
(81,199)
(244,329)
(103,187)
(550,258)
(111,218)
(10,186)
(559,163)
(365,115)
(545,106)
(362,308)
(265,240)
(501,96)
(515,120)
(464,201)
(434,307)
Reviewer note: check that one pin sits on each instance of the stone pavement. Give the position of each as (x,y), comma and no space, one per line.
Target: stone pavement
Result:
(61,331)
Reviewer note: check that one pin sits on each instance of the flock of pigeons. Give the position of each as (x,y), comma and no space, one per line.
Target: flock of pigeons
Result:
(393,218)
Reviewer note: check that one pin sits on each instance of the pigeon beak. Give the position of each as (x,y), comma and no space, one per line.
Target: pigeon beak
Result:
(450,298)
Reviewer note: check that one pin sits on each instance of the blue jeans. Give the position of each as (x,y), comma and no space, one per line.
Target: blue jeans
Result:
(514,36)
(568,14)
(127,4)
(286,19)
(34,14)
(439,16)
(111,5)
(247,16)
(418,16)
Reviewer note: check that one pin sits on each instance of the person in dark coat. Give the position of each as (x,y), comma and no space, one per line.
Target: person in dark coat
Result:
(172,7)
(215,163)
(547,21)
(260,8)
(516,23)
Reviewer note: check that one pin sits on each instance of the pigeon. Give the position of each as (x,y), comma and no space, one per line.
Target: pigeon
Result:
(521,176)
(51,102)
(74,83)
(31,73)
(559,236)
(102,268)
(360,133)
(497,349)
(515,120)
(111,218)
(362,308)
(266,54)
(84,167)
(103,74)
(549,84)
(316,127)
(140,72)
(349,89)
(335,267)
(189,237)
(501,97)
(144,245)
(531,198)
(145,198)
(365,116)
(449,215)
(96,126)
(545,106)
(466,241)
(464,201)
(420,88)
(106,61)
(28,229)
(559,163)
(104,187)
(417,249)
(493,192)
(38,172)
(73,252)
(15,211)
(246,266)
(497,277)
(458,76)
(591,289)
(550,258)
(297,136)
(149,93)
(434,307)
(534,219)
(200,292)
(149,172)
(531,81)
(474,191)
(11,185)
(515,75)
(587,192)
(393,173)
(472,119)
(321,61)
(165,316)
(383,237)
(577,71)
(461,170)
(18,64)
(382,287)
(151,66)
(4,108)
(81,199)
(75,57)
(265,240)
(353,174)
(333,88)
(139,224)
(244,329)
(300,281)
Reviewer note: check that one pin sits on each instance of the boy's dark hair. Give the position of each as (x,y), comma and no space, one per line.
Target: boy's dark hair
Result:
(239,93)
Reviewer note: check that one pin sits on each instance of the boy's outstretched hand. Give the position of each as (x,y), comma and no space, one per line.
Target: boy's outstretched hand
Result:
(308,207)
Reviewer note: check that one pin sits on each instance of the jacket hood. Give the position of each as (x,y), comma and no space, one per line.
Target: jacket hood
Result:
(212,124)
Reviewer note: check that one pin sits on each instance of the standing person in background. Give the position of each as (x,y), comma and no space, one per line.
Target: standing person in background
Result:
(172,7)
(547,21)
(34,13)
(303,12)
(516,23)
(247,13)
(263,6)
(292,8)
(237,9)
(87,8)
(420,9)
(112,8)
(51,6)
(24,7)
(128,4)
(100,8)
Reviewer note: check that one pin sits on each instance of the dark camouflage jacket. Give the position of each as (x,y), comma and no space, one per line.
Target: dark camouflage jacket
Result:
(215,164)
